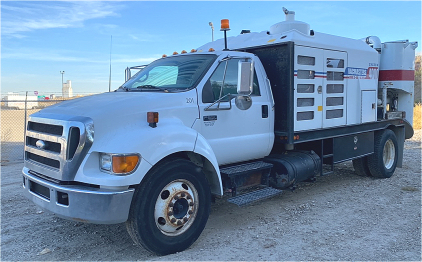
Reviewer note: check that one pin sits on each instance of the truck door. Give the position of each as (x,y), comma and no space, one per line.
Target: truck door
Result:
(234,134)
(334,89)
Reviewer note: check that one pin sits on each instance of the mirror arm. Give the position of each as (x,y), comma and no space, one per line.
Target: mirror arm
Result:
(222,84)
(208,108)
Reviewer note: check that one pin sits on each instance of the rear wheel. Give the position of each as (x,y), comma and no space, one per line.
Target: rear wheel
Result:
(170,208)
(383,162)
(361,166)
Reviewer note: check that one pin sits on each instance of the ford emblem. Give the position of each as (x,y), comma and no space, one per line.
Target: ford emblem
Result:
(41,144)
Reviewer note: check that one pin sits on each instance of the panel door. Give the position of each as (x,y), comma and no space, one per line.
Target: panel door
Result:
(369,107)
(308,82)
(334,89)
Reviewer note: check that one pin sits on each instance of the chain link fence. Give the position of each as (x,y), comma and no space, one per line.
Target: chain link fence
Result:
(13,115)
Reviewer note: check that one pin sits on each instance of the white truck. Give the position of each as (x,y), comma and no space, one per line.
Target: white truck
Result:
(18,101)
(262,111)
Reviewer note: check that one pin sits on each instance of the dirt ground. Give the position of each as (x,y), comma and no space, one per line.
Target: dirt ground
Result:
(339,217)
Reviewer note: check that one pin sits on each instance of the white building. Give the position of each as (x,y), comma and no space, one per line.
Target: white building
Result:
(67,89)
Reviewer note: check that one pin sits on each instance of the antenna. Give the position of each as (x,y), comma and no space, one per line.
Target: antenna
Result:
(109,77)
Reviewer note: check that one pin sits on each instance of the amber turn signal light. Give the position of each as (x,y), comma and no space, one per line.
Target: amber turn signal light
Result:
(152,119)
(124,164)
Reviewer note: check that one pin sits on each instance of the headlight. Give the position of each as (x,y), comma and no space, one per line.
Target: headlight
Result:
(119,164)
(105,162)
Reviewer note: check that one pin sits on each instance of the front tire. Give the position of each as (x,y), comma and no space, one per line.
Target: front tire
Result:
(383,162)
(170,208)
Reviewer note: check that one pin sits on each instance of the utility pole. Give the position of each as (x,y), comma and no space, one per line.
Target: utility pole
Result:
(109,76)
(62,72)
(212,30)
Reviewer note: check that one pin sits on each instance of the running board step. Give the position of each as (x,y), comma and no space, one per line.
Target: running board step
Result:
(246,175)
(254,196)
(246,168)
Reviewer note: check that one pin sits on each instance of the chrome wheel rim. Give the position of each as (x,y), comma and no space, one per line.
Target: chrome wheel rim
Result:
(176,207)
(389,154)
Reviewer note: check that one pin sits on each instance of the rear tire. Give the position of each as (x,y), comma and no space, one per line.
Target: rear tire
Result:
(170,208)
(383,162)
(361,166)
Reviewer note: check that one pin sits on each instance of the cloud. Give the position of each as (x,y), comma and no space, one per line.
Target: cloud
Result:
(50,56)
(136,60)
(71,57)
(145,37)
(19,18)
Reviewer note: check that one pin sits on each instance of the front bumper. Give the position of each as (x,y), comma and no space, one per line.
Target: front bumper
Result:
(78,202)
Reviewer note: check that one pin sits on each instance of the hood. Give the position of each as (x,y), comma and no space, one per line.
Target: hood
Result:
(91,106)
(128,102)
(113,110)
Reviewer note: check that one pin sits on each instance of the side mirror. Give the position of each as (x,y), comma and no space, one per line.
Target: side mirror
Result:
(243,102)
(245,78)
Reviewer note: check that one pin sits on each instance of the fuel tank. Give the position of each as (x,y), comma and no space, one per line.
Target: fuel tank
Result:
(292,167)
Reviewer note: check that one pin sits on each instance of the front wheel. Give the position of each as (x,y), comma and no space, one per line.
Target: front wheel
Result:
(170,208)
(383,162)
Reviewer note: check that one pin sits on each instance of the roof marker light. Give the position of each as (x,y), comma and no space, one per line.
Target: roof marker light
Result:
(175,53)
(183,52)
(164,55)
(193,51)
(211,50)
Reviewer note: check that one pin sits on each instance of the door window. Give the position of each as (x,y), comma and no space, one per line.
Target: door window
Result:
(215,88)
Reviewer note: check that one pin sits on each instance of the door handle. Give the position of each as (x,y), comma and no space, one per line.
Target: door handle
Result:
(264,111)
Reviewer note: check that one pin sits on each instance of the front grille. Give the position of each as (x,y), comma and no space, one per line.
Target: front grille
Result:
(43,160)
(62,145)
(45,128)
(51,146)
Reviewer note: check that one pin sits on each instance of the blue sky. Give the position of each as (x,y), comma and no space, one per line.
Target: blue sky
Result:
(40,39)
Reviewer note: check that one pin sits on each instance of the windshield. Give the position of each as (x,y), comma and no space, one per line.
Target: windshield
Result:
(170,74)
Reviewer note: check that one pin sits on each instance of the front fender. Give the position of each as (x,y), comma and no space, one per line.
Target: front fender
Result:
(211,167)
(174,137)
(170,136)
(153,144)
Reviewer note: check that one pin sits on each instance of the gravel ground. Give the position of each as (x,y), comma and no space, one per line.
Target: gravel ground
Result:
(339,217)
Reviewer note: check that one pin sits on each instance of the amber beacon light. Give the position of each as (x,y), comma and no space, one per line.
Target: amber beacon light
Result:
(225,27)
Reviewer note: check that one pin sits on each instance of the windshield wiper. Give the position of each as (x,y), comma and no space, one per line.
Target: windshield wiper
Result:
(148,88)
(123,88)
